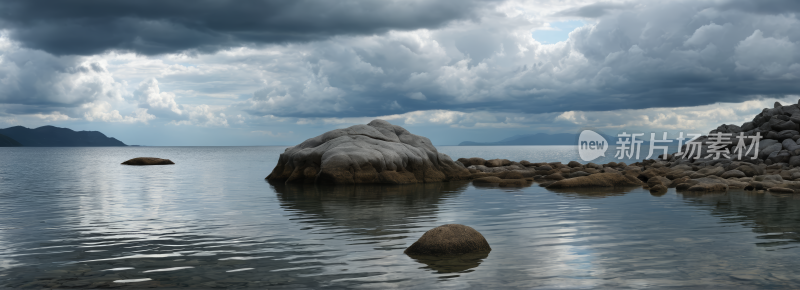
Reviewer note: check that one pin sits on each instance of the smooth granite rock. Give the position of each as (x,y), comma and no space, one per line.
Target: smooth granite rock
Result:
(378,152)
(448,240)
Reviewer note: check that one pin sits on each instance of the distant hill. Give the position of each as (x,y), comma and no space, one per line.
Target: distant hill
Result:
(49,136)
(6,141)
(536,139)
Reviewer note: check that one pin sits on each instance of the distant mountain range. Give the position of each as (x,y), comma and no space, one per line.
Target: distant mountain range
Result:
(537,139)
(50,136)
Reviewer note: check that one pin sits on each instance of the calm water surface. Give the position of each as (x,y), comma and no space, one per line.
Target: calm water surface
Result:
(75,217)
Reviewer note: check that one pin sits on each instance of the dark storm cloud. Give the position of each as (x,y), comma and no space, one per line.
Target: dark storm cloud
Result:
(764,6)
(671,54)
(154,27)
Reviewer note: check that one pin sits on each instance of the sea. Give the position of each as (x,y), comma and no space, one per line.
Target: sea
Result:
(74,217)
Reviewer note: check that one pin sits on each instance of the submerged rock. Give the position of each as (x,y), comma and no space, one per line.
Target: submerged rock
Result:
(597,180)
(378,152)
(449,239)
(148,161)
(780,190)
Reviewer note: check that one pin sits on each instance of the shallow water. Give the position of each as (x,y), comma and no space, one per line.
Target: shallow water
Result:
(75,217)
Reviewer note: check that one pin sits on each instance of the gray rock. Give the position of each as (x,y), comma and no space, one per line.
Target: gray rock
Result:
(749,126)
(768,113)
(777,105)
(794,161)
(729,129)
(378,152)
(707,171)
(763,154)
(779,156)
(578,174)
(790,110)
(751,169)
(543,167)
(781,117)
(784,125)
(733,173)
(787,134)
(790,145)
(764,143)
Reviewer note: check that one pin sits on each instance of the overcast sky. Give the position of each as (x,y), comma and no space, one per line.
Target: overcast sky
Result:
(277,73)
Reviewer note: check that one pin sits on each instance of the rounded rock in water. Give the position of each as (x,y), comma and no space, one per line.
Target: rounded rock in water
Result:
(449,239)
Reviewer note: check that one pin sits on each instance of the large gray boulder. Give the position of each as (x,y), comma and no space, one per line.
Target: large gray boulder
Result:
(378,152)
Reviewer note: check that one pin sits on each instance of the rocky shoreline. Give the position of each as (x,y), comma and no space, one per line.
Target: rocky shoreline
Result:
(772,162)
(655,175)
(763,154)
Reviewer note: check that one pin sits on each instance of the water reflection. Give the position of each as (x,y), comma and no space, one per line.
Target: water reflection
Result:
(366,209)
(594,192)
(451,263)
(774,217)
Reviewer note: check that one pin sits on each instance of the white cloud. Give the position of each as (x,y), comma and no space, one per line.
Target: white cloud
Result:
(150,97)
(102,111)
(203,115)
(52,117)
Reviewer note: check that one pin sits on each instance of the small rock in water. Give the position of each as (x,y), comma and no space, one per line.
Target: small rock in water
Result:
(449,239)
(148,161)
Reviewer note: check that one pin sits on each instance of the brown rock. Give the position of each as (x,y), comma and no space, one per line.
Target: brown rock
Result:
(486,180)
(658,180)
(497,162)
(597,180)
(674,183)
(733,173)
(471,161)
(148,161)
(574,164)
(511,175)
(658,188)
(780,190)
(709,185)
(578,174)
(449,239)
(514,182)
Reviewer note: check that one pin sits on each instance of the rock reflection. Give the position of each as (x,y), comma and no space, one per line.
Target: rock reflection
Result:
(595,192)
(368,209)
(776,217)
(451,263)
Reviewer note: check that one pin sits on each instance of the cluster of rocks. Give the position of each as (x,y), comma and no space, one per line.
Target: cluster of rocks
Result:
(774,166)
(779,129)
(655,175)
